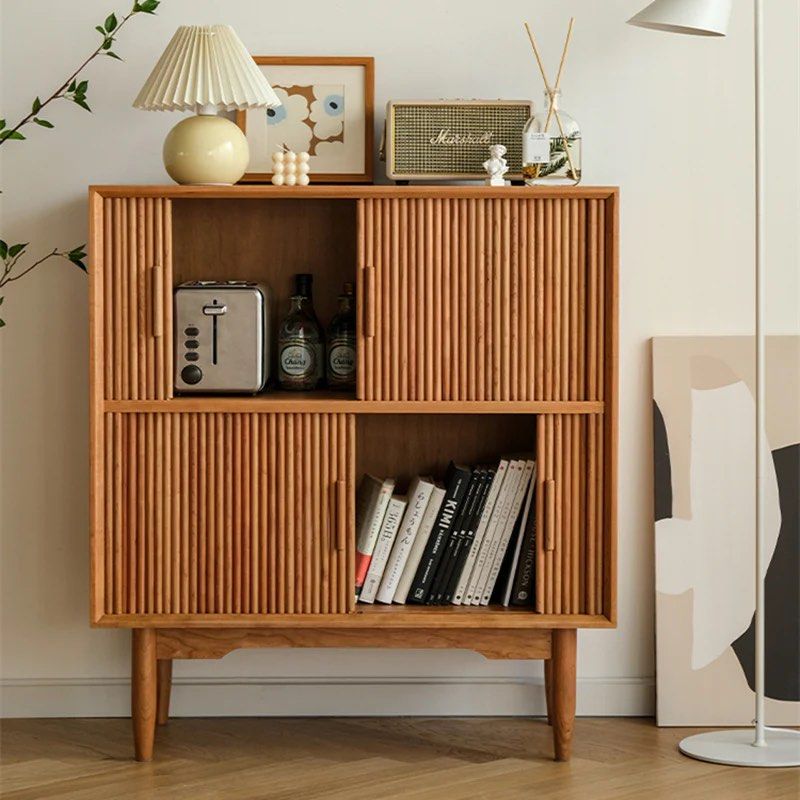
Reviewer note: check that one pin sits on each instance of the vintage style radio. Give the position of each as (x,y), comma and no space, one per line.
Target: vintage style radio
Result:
(449,139)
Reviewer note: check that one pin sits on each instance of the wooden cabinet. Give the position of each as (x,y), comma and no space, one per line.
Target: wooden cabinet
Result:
(487,324)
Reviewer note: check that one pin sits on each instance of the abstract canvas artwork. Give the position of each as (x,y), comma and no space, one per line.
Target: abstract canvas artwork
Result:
(326,110)
(704,479)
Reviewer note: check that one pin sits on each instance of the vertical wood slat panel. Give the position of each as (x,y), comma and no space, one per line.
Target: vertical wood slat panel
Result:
(497,299)
(137,236)
(190,517)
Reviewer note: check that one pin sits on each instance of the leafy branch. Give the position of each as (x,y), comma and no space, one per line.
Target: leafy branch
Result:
(72,89)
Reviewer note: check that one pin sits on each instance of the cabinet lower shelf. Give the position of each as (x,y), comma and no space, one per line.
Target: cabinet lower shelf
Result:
(368,618)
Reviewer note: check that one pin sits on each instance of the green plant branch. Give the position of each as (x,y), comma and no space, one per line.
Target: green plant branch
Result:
(70,89)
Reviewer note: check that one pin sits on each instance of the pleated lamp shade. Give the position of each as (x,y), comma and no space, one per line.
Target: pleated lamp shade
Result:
(205,67)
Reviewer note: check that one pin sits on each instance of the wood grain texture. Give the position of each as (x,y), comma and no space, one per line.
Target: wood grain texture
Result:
(494,285)
(420,758)
(143,692)
(222,549)
(164,689)
(494,643)
(563,676)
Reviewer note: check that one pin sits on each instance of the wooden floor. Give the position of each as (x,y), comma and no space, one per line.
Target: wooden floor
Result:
(304,759)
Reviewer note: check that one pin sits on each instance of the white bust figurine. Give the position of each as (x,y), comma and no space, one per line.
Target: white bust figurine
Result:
(496,167)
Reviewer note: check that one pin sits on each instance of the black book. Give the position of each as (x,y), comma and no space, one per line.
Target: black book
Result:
(456,482)
(439,585)
(464,544)
(524,580)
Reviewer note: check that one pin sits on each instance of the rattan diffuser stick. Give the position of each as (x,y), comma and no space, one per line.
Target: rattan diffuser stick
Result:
(551,90)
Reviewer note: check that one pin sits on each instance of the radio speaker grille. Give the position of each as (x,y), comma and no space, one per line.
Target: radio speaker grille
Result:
(423,134)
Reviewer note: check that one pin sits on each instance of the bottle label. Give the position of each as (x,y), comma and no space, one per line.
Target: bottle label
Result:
(342,359)
(297,360)
(536,148)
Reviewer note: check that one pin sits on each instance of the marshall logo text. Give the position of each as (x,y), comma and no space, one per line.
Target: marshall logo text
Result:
(446,136)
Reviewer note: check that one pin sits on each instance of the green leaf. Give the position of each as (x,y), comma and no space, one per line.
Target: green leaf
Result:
(110,23)
(2,323)
(79,264)
(82,87)
(10,135)
(37,104)
(43,122)
(100,29)
(3,250)
(2,124)
(114,55)
(82,103)
(148,6)
(16,249)
(71,87)
(107,44)
(1,300)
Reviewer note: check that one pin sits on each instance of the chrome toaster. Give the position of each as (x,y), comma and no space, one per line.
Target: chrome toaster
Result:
(222,335)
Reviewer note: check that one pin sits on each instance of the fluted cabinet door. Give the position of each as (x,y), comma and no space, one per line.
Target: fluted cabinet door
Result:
(227,513)
(137,298)
(482,299)
(574,541)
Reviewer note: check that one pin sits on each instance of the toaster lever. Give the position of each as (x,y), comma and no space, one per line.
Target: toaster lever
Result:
(215,311)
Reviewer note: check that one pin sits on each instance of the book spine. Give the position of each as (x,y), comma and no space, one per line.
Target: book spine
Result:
(391,524)
(520,539)
(456,534)
(370,530)
(457,480)
(465,542)
(472,556)
(525,577)
(500,518)
(420,541)
(418,498)
(505,537)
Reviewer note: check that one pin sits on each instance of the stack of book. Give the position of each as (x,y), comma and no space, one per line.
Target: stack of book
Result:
(468,541)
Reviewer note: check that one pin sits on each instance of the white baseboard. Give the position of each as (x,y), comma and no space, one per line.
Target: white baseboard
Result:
(315,697)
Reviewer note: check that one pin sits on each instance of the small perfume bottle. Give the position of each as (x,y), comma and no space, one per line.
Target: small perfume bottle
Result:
(548,157)
(341,362)
(300,342)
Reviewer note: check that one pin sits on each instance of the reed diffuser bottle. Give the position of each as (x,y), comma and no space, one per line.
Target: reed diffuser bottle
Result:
(551,146)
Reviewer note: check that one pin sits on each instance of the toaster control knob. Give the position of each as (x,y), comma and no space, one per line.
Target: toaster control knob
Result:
(191,374)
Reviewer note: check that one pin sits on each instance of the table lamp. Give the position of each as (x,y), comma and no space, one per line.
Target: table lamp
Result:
(206,68)
(761,745)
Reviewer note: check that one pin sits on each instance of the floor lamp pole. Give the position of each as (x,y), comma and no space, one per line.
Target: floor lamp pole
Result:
(761,364)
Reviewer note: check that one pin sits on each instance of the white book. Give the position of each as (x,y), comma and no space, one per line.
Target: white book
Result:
(474,587)
(483,524)
(372,500)
(507,494)
(391,524)
(505,536)
(418,547)
(419,494)
(523,524)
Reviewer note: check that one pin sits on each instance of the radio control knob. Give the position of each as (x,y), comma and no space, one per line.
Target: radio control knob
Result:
(191,374)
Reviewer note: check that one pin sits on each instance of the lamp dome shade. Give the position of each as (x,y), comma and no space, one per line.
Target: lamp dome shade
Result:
(205,67)
(697,17)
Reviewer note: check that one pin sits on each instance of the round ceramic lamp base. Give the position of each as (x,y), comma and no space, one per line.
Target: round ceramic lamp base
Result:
(735,748)
(206,150)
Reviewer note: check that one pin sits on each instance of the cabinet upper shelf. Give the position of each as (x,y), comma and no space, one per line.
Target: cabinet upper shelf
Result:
(354,192)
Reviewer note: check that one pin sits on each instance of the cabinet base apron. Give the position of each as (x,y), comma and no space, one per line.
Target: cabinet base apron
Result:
(155,648)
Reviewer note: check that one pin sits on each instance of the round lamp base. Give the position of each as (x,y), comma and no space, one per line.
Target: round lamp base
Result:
(206,150)
(735,748)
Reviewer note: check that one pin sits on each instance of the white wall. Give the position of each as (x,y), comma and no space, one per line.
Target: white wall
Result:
(667,118)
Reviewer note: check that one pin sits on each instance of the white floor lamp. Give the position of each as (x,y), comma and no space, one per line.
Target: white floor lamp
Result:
(759,746)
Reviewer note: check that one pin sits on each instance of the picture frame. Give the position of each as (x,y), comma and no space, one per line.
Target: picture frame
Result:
(327,111)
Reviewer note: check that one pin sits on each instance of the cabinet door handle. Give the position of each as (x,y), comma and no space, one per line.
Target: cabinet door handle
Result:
(157,311)
(340,493)
(550,515)
(369,306)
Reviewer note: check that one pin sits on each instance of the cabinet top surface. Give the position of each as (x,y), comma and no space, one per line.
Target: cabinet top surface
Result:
(354,192)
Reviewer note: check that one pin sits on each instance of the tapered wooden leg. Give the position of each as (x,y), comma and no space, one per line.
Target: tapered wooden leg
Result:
(563,692)
(143,692)
(548,689)
(164,689)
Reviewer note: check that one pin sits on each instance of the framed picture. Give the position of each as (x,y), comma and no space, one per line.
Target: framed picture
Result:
(327,111)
